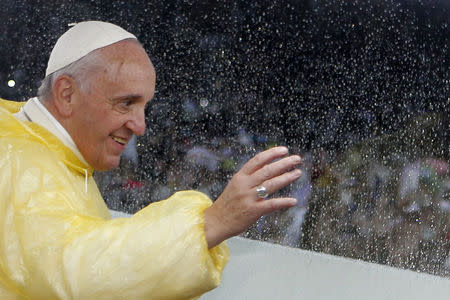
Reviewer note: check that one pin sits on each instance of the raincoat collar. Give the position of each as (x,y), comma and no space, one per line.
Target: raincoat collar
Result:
(34,111)
(12,125)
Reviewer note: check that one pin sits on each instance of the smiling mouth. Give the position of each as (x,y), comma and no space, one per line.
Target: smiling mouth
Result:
(119,140)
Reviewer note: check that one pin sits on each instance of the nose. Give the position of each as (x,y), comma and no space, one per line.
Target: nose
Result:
(137,123)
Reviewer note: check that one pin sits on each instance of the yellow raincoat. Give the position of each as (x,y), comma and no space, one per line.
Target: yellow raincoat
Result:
(58,241)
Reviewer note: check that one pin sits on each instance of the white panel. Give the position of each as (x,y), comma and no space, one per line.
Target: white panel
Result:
(260,270)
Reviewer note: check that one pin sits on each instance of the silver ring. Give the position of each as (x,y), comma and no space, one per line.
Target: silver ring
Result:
(261,192)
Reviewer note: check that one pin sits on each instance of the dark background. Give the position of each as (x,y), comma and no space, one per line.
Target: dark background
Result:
(286,69)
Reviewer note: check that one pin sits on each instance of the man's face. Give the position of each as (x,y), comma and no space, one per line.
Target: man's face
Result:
(111,110)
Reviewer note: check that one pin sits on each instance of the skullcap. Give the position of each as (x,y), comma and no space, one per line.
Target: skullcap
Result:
(81,39)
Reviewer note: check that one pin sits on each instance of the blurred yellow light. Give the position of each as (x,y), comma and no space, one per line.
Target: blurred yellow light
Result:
(11,83)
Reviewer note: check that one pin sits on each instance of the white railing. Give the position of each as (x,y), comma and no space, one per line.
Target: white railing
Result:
(260,270)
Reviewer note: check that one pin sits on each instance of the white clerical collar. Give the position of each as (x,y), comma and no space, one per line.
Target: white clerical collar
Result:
(34,111)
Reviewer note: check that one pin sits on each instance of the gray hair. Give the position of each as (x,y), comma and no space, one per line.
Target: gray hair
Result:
(81,70)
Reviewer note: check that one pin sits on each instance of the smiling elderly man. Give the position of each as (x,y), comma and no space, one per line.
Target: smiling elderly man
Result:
(57,239)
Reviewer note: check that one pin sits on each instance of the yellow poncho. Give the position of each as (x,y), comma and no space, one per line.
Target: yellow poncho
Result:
(58,241)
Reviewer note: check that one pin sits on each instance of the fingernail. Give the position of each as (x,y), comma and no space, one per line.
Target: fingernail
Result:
(293,201)
(297,172)
(297,159)
(283,150)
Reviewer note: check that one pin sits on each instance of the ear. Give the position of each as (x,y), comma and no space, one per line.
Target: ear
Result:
(64,89)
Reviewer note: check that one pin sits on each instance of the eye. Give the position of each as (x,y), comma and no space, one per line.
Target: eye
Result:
(128,102)
(125,104)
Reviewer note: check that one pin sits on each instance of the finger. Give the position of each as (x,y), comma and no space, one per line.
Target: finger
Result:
(263,158)
(271,205)
(276,183)
(274,169)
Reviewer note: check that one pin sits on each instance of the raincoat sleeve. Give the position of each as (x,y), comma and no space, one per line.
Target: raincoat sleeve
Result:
(54,247)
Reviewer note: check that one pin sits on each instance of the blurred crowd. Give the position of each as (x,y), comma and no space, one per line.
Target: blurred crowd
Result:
(377,201)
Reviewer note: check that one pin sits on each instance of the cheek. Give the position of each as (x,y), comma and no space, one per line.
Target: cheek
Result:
(117,120)
(111,124)
(100,121)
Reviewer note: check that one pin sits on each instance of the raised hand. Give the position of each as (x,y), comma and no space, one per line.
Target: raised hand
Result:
(239,205)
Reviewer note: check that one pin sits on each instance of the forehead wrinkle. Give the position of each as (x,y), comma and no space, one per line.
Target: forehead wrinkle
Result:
(123,55)
(115,69)
(115,56)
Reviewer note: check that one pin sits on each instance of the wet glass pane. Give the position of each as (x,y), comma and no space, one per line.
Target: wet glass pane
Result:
(359,88)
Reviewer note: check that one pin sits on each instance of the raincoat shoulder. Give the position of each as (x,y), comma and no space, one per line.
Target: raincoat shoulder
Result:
(57,240)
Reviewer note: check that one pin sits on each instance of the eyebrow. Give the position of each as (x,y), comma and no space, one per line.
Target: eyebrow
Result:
(126,97)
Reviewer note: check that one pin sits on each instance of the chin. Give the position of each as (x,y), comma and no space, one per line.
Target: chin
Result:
(107,165)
